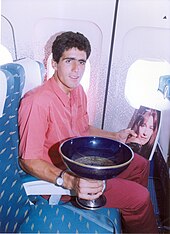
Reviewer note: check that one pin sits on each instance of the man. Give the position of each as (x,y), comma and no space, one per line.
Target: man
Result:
(57,110)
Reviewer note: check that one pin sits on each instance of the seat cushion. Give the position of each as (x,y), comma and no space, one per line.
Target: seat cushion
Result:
(69,219)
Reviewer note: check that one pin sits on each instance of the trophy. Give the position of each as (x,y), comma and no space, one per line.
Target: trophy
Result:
(96,158)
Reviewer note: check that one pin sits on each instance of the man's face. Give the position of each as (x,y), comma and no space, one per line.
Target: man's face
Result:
(70,68)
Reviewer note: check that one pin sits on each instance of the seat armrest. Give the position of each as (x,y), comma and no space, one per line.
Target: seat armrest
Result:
(41,187)
(35,186)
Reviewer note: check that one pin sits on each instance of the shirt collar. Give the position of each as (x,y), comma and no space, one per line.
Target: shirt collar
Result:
(65,99)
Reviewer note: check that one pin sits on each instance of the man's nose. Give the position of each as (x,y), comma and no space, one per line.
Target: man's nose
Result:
(75,66)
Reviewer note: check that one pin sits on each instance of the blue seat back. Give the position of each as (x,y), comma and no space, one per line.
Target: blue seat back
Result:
(17,71)
(14,204)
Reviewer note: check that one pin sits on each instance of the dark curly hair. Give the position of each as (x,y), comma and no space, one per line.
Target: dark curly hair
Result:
(68,40)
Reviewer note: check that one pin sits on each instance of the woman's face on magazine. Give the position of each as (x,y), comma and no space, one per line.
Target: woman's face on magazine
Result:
(146,130)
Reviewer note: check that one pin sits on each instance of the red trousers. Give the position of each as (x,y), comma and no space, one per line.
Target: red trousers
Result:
(129,193)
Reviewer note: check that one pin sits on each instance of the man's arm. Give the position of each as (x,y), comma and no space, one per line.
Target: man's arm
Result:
(40,169)
(119,136)
(84,188)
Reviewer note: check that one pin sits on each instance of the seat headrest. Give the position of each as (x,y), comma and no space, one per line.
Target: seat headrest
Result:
(5,55)
(33,73)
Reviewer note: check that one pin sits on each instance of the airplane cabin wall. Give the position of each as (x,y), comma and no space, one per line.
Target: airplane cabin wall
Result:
(141,32)
(26,16)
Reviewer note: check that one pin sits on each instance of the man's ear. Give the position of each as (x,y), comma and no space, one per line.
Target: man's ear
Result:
(54,64)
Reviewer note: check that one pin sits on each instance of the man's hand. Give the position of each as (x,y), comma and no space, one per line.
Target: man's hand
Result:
(89,189)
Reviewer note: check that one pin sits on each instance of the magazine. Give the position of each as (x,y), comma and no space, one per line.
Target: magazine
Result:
(146,123)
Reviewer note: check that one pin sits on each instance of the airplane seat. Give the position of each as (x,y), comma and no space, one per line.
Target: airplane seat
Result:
(42,70)
(8,182)
(6,101)
(18,74)
(34,73)
(17,214)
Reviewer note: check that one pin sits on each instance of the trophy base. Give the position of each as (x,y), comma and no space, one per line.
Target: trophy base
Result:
(92,204)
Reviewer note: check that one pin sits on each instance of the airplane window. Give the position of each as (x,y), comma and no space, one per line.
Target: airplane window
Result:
(142,81)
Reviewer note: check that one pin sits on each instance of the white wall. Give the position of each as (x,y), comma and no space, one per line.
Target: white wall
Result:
(26,15)
(141,32)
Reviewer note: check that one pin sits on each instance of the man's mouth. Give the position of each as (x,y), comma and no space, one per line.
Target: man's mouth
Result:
(74,77)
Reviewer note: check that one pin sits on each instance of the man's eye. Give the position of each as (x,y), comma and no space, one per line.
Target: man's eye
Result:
(82,62)
(68,60)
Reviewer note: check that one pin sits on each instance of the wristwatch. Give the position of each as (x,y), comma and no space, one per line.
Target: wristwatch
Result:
(59,181)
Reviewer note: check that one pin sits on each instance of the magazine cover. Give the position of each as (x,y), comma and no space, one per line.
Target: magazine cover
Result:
(146,123)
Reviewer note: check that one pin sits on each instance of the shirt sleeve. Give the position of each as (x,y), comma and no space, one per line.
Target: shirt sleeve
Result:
(33,125)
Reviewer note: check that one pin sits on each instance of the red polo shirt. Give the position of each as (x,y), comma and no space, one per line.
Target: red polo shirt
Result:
(47,116)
